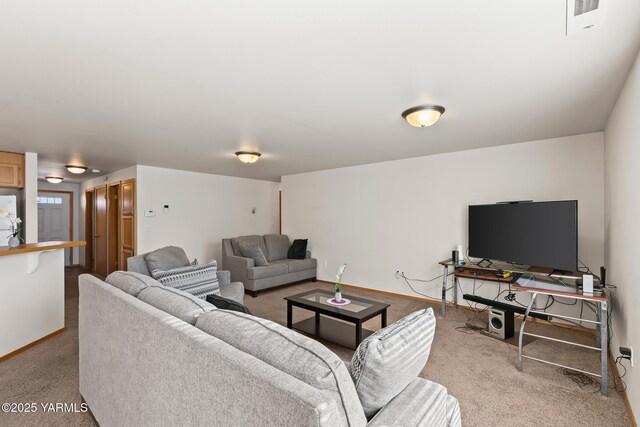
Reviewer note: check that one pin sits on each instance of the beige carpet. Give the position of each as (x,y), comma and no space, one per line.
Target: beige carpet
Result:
(480,371)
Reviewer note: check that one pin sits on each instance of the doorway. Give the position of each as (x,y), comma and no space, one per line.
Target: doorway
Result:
(100,230)
(88,229)
(55,219)
(110,226)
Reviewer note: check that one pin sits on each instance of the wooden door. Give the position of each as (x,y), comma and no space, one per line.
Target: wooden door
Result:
(127,221)
(88,229)
(112,227)
(100,231)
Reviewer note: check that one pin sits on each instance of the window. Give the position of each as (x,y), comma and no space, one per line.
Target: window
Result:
(50,200)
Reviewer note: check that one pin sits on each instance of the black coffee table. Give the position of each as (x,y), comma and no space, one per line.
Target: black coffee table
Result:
(339,324)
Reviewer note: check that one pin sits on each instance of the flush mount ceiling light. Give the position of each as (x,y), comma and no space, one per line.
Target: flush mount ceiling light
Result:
(54,179)
(248,156)
(423,115)
(76,169)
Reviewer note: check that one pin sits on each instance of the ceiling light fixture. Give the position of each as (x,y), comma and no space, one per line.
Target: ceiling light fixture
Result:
(423,115)
(76,169)
(54,179)
(248,156)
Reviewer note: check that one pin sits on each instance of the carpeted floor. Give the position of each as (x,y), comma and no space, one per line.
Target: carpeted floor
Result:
(478,370)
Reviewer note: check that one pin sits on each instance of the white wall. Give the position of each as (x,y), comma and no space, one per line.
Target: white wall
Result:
(204,208)
(409,214)
(622,211)
(31,304)
(31,197)
(121,175)
(75,189)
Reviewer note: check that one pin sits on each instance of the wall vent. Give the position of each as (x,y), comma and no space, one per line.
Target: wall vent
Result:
(584,14)
(584,6)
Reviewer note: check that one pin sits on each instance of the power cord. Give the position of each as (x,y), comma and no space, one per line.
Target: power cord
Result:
(408,280)
(619,362)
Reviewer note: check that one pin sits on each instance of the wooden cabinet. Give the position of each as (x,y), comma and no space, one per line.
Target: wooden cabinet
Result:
(11,170)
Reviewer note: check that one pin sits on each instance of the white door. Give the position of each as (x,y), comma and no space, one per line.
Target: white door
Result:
(54,219)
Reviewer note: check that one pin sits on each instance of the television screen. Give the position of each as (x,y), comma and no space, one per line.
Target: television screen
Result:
(543,234)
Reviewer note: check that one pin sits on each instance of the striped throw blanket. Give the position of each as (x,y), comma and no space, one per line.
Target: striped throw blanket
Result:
(198,280)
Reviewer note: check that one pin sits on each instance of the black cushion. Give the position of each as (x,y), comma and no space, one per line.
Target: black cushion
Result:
(298,249)
(226,304)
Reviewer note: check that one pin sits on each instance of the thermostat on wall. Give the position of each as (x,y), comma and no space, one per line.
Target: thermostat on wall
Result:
(149,212)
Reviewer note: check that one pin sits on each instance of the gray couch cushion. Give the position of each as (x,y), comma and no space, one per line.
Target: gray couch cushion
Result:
(252,250)
(234,291)
(180,304)
(269,270)
(166,258)
(253,238)
(290,352)
(130,282)
(277,246)
(301,264)
(390,359)
(198,280)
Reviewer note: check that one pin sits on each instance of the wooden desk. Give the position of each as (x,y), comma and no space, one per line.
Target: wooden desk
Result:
(601,332)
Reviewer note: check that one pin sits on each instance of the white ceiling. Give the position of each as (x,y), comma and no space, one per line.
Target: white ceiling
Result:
(312,85)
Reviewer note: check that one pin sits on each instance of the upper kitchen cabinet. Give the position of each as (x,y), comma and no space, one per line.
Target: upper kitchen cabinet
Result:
(11,170)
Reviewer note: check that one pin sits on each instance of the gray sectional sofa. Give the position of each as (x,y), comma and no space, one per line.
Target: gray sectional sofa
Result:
(279,270)
(152,355)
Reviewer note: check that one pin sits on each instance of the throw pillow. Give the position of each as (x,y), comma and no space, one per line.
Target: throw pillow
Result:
(390,359)
(298,249)
(166,258)
(227,304)
(198,280)
(252,250)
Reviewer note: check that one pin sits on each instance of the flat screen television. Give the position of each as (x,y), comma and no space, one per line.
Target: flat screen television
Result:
(542,234)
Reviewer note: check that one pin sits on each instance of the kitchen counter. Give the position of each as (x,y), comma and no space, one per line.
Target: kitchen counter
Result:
(37,247)
(31,294)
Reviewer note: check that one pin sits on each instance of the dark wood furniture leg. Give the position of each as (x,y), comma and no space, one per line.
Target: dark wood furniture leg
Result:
(317,333)
(358,333)
(383,322)
(289,314)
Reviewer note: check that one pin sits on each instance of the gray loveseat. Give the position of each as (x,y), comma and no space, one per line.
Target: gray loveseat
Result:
(228,289)
(279,270)
(151,355)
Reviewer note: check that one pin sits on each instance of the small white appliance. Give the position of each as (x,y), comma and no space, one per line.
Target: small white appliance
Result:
(587,283)
(8,209)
